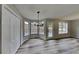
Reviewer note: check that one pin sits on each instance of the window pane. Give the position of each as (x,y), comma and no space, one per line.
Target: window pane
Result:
(33,28)
(50,30)
(63,27)
(26,30)
(41,28)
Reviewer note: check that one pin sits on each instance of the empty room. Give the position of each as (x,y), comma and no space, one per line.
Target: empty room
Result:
(39,29)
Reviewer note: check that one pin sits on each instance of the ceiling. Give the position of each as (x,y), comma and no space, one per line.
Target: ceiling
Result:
(47,10)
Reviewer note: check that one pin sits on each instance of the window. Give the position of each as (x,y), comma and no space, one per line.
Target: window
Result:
(50,30)
(63,27)
(26,28)
(33,28)
(41,28)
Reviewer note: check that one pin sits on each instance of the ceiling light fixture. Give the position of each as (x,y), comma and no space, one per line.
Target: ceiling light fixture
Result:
(39,23)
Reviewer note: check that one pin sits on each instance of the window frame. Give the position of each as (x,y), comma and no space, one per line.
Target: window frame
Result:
(64,27)
(25,29)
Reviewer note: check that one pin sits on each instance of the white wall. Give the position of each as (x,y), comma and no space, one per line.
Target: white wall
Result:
(10,31)
(75,28)
(14,9)
(0,25)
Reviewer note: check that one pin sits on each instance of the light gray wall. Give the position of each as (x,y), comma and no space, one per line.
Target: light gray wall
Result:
(11,31)
(21,31)
(75,28)
(14,9)
(0,24)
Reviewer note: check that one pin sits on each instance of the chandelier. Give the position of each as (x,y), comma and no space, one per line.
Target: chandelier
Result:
(39,23)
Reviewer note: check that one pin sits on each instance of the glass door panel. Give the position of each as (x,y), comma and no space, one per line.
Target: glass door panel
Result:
(50,30)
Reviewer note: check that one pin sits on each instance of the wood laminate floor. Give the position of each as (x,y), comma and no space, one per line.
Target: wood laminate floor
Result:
(37,46)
